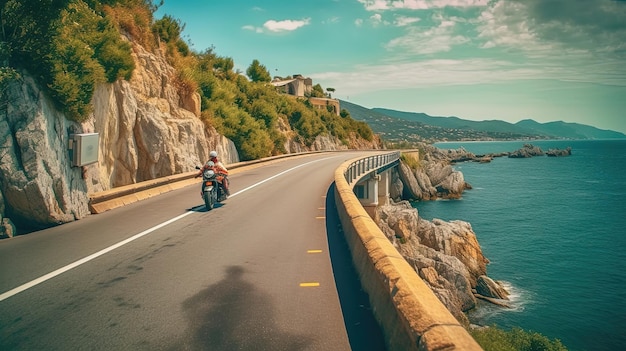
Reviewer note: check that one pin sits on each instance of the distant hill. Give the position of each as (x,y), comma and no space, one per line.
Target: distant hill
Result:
(397,126)
(569,130)
(397,130)
(558,129)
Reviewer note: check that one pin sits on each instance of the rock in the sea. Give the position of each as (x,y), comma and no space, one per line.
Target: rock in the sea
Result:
(486,286)
(527,151)
(559,152)
(435,179)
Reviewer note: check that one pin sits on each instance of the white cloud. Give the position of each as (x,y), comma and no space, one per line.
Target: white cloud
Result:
(335,19)
(379,5)
(422,41)
(506,25)
(518,42)
(445,72)
(402,21)
(253,28)
(548,26)
(358,22)
(375,5)
(377,19)
(285,25)
(425,74)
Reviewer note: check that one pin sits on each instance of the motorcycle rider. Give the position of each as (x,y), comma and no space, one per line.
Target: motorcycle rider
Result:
(218,168)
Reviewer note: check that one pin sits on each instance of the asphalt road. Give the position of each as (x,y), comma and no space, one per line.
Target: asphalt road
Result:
(266,270)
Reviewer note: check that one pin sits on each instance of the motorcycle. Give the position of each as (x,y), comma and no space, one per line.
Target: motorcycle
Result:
(212,189)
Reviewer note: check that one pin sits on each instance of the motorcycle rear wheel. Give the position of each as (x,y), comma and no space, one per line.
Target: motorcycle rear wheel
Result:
(208,200)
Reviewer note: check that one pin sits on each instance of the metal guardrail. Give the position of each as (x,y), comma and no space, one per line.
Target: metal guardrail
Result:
(358,169)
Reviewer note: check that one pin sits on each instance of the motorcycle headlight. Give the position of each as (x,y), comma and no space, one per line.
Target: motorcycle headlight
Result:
(209,173)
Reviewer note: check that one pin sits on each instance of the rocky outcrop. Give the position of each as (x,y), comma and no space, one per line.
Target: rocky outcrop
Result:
(446,255)
(7,228)
(434,178)
(37,180)
(330,143)
(559,152)
(489,290)
(487,287)
(527,151)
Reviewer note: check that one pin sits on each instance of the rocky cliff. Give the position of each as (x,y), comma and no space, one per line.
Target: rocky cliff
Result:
(147,129)
(446,255)
(431,179)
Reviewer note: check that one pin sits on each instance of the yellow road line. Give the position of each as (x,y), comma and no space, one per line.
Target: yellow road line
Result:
(321,217)
(307,285)
(314,251)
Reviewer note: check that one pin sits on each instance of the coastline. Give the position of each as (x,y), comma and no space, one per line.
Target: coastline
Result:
(433,246)
(550,229)
(446,255)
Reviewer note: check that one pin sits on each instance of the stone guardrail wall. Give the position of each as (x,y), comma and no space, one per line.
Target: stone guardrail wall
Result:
(411,316)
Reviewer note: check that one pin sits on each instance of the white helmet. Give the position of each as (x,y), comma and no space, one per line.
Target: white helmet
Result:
(213,154)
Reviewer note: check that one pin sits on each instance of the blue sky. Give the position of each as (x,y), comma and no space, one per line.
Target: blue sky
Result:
(548,60)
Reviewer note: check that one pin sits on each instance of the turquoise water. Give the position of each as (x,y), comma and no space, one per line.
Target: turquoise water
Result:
(554,229)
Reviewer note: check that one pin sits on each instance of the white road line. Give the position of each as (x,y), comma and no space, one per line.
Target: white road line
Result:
(75,264)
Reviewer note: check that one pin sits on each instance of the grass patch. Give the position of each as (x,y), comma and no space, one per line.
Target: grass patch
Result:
(516,339)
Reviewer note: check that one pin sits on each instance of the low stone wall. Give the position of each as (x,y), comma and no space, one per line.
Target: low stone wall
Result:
(411,316)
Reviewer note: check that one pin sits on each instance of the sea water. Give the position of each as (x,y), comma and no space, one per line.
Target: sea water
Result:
(554,230)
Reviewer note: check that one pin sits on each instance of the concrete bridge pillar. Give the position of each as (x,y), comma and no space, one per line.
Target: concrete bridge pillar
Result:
(373,190)
(366,190)
(383,187)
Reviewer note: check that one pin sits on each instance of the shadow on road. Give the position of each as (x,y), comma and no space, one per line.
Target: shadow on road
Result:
(202,208)
(364,332)
(220,318)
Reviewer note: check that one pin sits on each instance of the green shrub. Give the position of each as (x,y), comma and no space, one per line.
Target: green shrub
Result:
(264,111)
(116,59)
(257,72)
(69,48)
(516,339)
(168,29)
(410,161)
(74,74)
(251,138)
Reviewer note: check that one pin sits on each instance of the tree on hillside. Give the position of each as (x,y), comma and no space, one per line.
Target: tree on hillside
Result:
(317,91)
(168,28)
(258,73)
(330,90)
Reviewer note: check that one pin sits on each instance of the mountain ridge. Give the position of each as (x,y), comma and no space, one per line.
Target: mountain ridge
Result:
(397,126)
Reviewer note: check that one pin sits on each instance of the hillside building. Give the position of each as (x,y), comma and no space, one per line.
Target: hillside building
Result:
(300,86)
